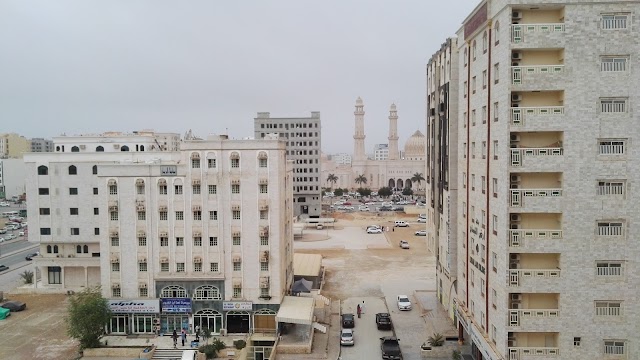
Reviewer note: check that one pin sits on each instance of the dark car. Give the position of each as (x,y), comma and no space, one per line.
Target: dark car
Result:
(348,321)
(14,305)
(4,267)
(31,256)
(383,321)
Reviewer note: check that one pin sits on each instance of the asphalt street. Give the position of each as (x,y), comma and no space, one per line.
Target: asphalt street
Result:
(366,334)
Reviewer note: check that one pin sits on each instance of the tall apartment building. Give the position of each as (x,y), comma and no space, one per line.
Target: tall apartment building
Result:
(13,146)
(303,137)
(201,236)
(381,152)
(41,145)
(546,252)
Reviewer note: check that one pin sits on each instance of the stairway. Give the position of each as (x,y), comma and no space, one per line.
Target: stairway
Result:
(167,354)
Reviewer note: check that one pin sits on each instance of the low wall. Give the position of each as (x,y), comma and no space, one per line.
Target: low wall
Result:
(440,352)
(131,352)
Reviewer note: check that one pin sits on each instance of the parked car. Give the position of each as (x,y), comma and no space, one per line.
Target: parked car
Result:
(404,303)
(32,255)
(374,231)
(1,239)
(348,321)
(383,321)
(390,348)
(421,233)
(21,233)
(12,227)
(404,244)
(422,220)
(3,231)
(363,208)
(14,305)
(346,337)
(400,223)
(4,204)
(4,267)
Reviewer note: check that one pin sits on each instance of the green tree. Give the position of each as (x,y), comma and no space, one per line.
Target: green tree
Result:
(407,191)
(385,191)
(88,312)
(338,192)
(27,276)
(333,179)
(364,191)
(436,340)
(417,178)
(361,179)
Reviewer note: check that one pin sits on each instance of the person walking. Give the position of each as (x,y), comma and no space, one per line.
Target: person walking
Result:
(184,336)
(359,310)
(362,307)
(174,336)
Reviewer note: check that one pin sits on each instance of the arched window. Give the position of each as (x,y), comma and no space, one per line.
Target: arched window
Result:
(85,249)
(99,149)
(484,42)
(48,249)
(141,147)
(78,249)
(496,33)
(474,50)
(75,149)
(173,291)
(73,170)
(206,292)
(235,160)
(43,170)
(55,249)
(124,148)
(58,148)
(95,169)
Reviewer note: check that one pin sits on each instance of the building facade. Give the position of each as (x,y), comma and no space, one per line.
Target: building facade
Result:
(13,146)
(41,145)
(303,136)
(200,237)
(547,262)
(116,141)
(380,151)
(12,175)
(341,158)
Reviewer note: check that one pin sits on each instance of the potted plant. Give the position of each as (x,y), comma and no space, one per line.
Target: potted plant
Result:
(436,340)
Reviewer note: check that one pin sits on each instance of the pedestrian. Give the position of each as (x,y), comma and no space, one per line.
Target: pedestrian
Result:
(393,229)
(359,310)
(184,336)
(362,307)
(175,338)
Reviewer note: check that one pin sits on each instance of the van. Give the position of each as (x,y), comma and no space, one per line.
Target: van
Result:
(189,355)
(400,223)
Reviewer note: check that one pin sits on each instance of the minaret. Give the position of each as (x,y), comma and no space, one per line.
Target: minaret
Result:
(358,137)
(393,133)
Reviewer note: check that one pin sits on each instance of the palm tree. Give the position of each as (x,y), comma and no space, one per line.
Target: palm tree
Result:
(361,179)
(333,179)
(417,178)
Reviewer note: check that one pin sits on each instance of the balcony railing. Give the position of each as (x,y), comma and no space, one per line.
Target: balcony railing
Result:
(517,195)
(518,237)
(520,114)
(515,315)
(518,153)
(515,275)
(515,353)
(608,271)
(519,31)
(517,72)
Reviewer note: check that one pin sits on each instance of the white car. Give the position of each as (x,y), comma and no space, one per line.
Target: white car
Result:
(363,208)
(9,237)
(404,303)
(373,230)
(346,337)
(421,233)
(404,244)
(4,204)
(21,233)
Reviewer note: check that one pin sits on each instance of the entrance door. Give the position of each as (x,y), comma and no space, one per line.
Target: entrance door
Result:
(143,324)
(174,322)
(238,322)
(208,319)
(119,324)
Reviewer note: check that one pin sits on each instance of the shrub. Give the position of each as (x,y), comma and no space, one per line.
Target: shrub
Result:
(436,340)
(239,344)
(455,355)
(209,351)
(218,344)
(27,276)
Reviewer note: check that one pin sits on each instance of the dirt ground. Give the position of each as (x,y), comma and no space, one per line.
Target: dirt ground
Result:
(39,332)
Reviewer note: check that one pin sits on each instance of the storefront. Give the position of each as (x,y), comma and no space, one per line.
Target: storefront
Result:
(133,316)
(238,316)
(175,315)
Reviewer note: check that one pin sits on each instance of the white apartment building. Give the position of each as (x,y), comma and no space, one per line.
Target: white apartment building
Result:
(114,141)
(41,145)
(201,236)
(547,257)
(381,152)
(341,159)
(303,137)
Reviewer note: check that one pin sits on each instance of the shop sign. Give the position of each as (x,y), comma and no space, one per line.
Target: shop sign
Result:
(146,306)
(176,305)
(237,305)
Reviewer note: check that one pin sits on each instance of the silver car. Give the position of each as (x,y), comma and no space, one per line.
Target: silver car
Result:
(346,337)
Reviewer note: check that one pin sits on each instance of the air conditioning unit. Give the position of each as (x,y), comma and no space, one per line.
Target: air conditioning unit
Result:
(514,186)
(82,147)
(116,146)
(442,107)
(514,138)
(515,105)
(516,97)
(156,321)
(516,55)
(515,217)
(515,305)
(514,257)
(511,343)
(515,178)
(514,226)
(516,15)
(515,63)
(516,297)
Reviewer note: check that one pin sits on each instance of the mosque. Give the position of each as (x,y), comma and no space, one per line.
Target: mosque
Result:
(395,172)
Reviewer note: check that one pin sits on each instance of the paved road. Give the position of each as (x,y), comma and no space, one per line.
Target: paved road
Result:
(16,262)
(366,334)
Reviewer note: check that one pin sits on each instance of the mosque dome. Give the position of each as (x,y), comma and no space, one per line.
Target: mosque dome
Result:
(414,148)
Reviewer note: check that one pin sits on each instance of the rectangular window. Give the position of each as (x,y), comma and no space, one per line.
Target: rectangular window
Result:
(614,347)
(213,241)
(197,215)
(197,241)
(197,267)
(496,106)
(113,190)
(237,292)
(73,211)
(235,189)
(482,287)
(493,333)
(195,163)
(180,267)
(496,73)
(96,231)
(235,163)
(610,228)
(140,189)
(264,189)
(611,188)
(483,184)
(213,189)
(236,214)
(179,215)
(116,292)
(473,85)
(45,211)
(113,215)
(613,63)
(162,189)
(608,308)
(115,241)
(473,182)
(473,150)
(95,191)
(464,88)
(237,266)
(142,215)
(264,292)
(484,114)
(494,226)
(613,106)
(264,240)
(164,241)
(143,292)
(115,267)
(164,215)
(142,266)
(195,189)
(75,231)
(213,267)
(495,187)
(179,241)
(164,267)
(614,21)
(55,273)
(609,269)
(178,189)
(213,215)
(484,149)
(611,147)
(494,296)
(142,241)
(73,191)
(264,214)
(262,163)
(473,117)
(484,79)
(264,266)
(577,341)
(96,211)
(236,240)
(211,163)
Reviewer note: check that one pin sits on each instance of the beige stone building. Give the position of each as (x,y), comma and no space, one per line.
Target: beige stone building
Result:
(13,146)
(546,212)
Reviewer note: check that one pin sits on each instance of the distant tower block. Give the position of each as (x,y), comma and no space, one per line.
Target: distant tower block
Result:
(393,133)
(358,137)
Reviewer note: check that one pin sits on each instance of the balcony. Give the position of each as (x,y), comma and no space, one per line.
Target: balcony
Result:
(518,197)
(533,115)
(516,316)
(524,353)
(533,271)
(532,345)
(518,155)
(537,35)
(534,311)
(521,277)
(532,73)
(520,238)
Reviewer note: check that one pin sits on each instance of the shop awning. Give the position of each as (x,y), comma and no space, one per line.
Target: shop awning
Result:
(296,310)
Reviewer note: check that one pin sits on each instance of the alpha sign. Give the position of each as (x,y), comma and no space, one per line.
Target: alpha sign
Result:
(134,306)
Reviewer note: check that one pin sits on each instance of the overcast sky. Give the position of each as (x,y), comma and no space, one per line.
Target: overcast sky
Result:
(121,65)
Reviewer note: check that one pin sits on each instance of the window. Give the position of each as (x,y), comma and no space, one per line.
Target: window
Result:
(180,267)
(162,189)
(43,191)
(195,163)
(96,211)
(484,43)
(179,215)
(483,184)
(473,182)
(264,214)
(115,292)
(482,287)
(473,117)
(613,63)
(464,89)
(472,277)
(237,266)
(610,229)
(173,291)
(608,269)
(45,211)
(94,170)
(178,189)
(211,163)
(96,231)
(213,215)
(197,215)
(613,106)
(164,267)
(197,267)
(113,215)
(236,239)
(73,191)
(197,241)
(213,189)
(614,347)
(484,79)
(75,231)
(140,189)
(143,292)
(264,266)
(611,188)
(495,187)
(474,50)
(213,267)
(495,114)
(115,267)
(464,180)
(73,170)
(195,189)
(473,85)
(142,266)
(179,241)
(466,52)
(213,241)
(264,292)
(262,163)
(608,308)
(54,273)
(496,33)
(576,341)
(496,73)
(113,189)
(95,191)
(235,163)
(236,214)
(207,292)
(43,170)
(614,21)
(494,226)
(264,188)
(495,149)
(235,188)
(164,241)
(484,149)
(611,147)
(142,240)
(164,215)
(237,292)
(264,240)
(494,296)
(115,241)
